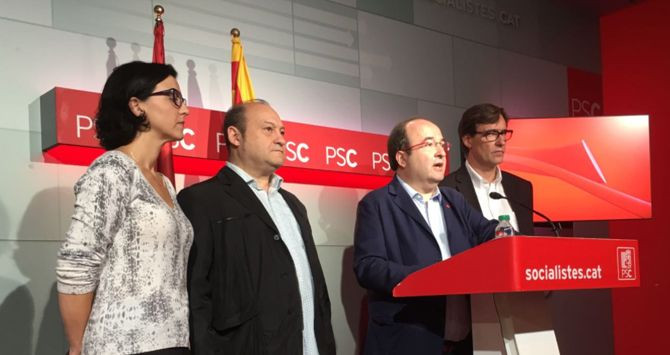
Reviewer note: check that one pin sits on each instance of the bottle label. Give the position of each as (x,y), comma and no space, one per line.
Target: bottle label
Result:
(504,231)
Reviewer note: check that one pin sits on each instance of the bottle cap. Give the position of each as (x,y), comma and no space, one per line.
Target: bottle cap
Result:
(504,217)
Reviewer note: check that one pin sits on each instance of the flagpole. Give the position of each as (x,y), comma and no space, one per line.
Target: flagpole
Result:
(164,164)
(242,90)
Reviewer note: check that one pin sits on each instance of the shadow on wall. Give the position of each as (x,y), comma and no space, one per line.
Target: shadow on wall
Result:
(215,95)
(337,221)
(112,59)
(17,309)
(36,261)
(194,95)
(355,301)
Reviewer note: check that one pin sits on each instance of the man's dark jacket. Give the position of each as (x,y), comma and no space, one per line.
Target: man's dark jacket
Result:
(243,290)
(516,188)
(392,240)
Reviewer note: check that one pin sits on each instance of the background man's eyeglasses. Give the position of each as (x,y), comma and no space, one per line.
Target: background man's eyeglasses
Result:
(492,134)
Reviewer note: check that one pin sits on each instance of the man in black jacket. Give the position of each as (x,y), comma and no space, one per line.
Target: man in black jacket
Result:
(484,135)
(255,280)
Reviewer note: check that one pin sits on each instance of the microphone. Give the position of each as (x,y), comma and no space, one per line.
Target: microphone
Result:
(497,196)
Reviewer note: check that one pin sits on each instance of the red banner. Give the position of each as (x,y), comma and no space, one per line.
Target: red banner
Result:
(314,154)
(522,263)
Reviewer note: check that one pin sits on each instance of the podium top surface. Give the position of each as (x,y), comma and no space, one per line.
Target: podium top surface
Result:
(524,263)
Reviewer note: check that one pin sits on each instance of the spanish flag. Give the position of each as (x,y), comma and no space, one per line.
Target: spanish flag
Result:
(242,89)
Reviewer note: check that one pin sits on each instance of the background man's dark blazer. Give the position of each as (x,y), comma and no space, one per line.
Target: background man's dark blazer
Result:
(243,289)
(392,240)
(516,188)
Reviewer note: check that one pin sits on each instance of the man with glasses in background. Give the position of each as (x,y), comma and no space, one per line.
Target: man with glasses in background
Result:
(484,135)
(407,225)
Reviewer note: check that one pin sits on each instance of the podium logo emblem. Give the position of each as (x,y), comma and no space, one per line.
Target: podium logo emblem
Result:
(626,263)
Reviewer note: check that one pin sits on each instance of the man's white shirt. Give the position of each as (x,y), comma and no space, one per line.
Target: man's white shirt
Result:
(491,209)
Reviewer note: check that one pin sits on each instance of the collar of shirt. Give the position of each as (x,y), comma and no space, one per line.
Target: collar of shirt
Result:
(417,196)
(477,180)
(275,180)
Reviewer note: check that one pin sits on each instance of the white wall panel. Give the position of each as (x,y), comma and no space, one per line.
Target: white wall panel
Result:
(129,20)
(36,58)
(445,17)
(326,41)
(33,11)
(446,117)
(351,3)
(402,59)
(331,211)
(29,191)
(524,38)
(533,87)
(477,73)
(381,112)
(309,101)
(203,27)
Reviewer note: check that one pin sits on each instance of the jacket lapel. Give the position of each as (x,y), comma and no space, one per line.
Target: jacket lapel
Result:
(465,187)
(454,222)
(404,201)
(241,192)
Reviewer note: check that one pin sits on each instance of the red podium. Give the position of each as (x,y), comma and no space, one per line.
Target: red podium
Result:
(513,269)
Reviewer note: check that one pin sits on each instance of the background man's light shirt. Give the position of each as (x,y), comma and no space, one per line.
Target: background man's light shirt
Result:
(491,209)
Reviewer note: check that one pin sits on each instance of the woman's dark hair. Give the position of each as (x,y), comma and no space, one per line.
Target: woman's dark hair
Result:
(115,124)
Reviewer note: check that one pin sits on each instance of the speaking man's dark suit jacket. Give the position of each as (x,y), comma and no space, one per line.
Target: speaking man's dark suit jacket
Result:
(243,289)
(393,240)
(516,189)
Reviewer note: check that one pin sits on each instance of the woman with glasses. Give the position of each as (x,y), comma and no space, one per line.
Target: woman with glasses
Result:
(122,267)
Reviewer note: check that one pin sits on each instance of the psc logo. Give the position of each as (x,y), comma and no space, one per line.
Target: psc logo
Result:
(626,263)
(580,107)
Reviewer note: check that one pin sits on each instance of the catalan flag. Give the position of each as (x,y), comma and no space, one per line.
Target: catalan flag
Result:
(242,89)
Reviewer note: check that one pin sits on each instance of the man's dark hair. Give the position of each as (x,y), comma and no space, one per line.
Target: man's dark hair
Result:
(398,141)
(115,123)
(478,114)
(235,117)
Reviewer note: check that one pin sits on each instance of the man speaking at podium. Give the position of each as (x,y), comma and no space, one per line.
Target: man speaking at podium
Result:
(483,133)
(405,226)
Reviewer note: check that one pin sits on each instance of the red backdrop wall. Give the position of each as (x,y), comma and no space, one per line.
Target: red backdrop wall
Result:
(636,79)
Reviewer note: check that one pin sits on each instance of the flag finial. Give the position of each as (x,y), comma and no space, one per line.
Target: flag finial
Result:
(235,32)
(159,11)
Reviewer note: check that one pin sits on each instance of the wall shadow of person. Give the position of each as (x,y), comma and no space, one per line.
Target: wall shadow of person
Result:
(337,221)
(17,309)
(194,94)
(355,300)
(35,258)
(112,59)
(16,318)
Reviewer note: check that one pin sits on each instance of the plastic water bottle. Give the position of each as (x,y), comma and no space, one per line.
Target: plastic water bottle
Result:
(504,228)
